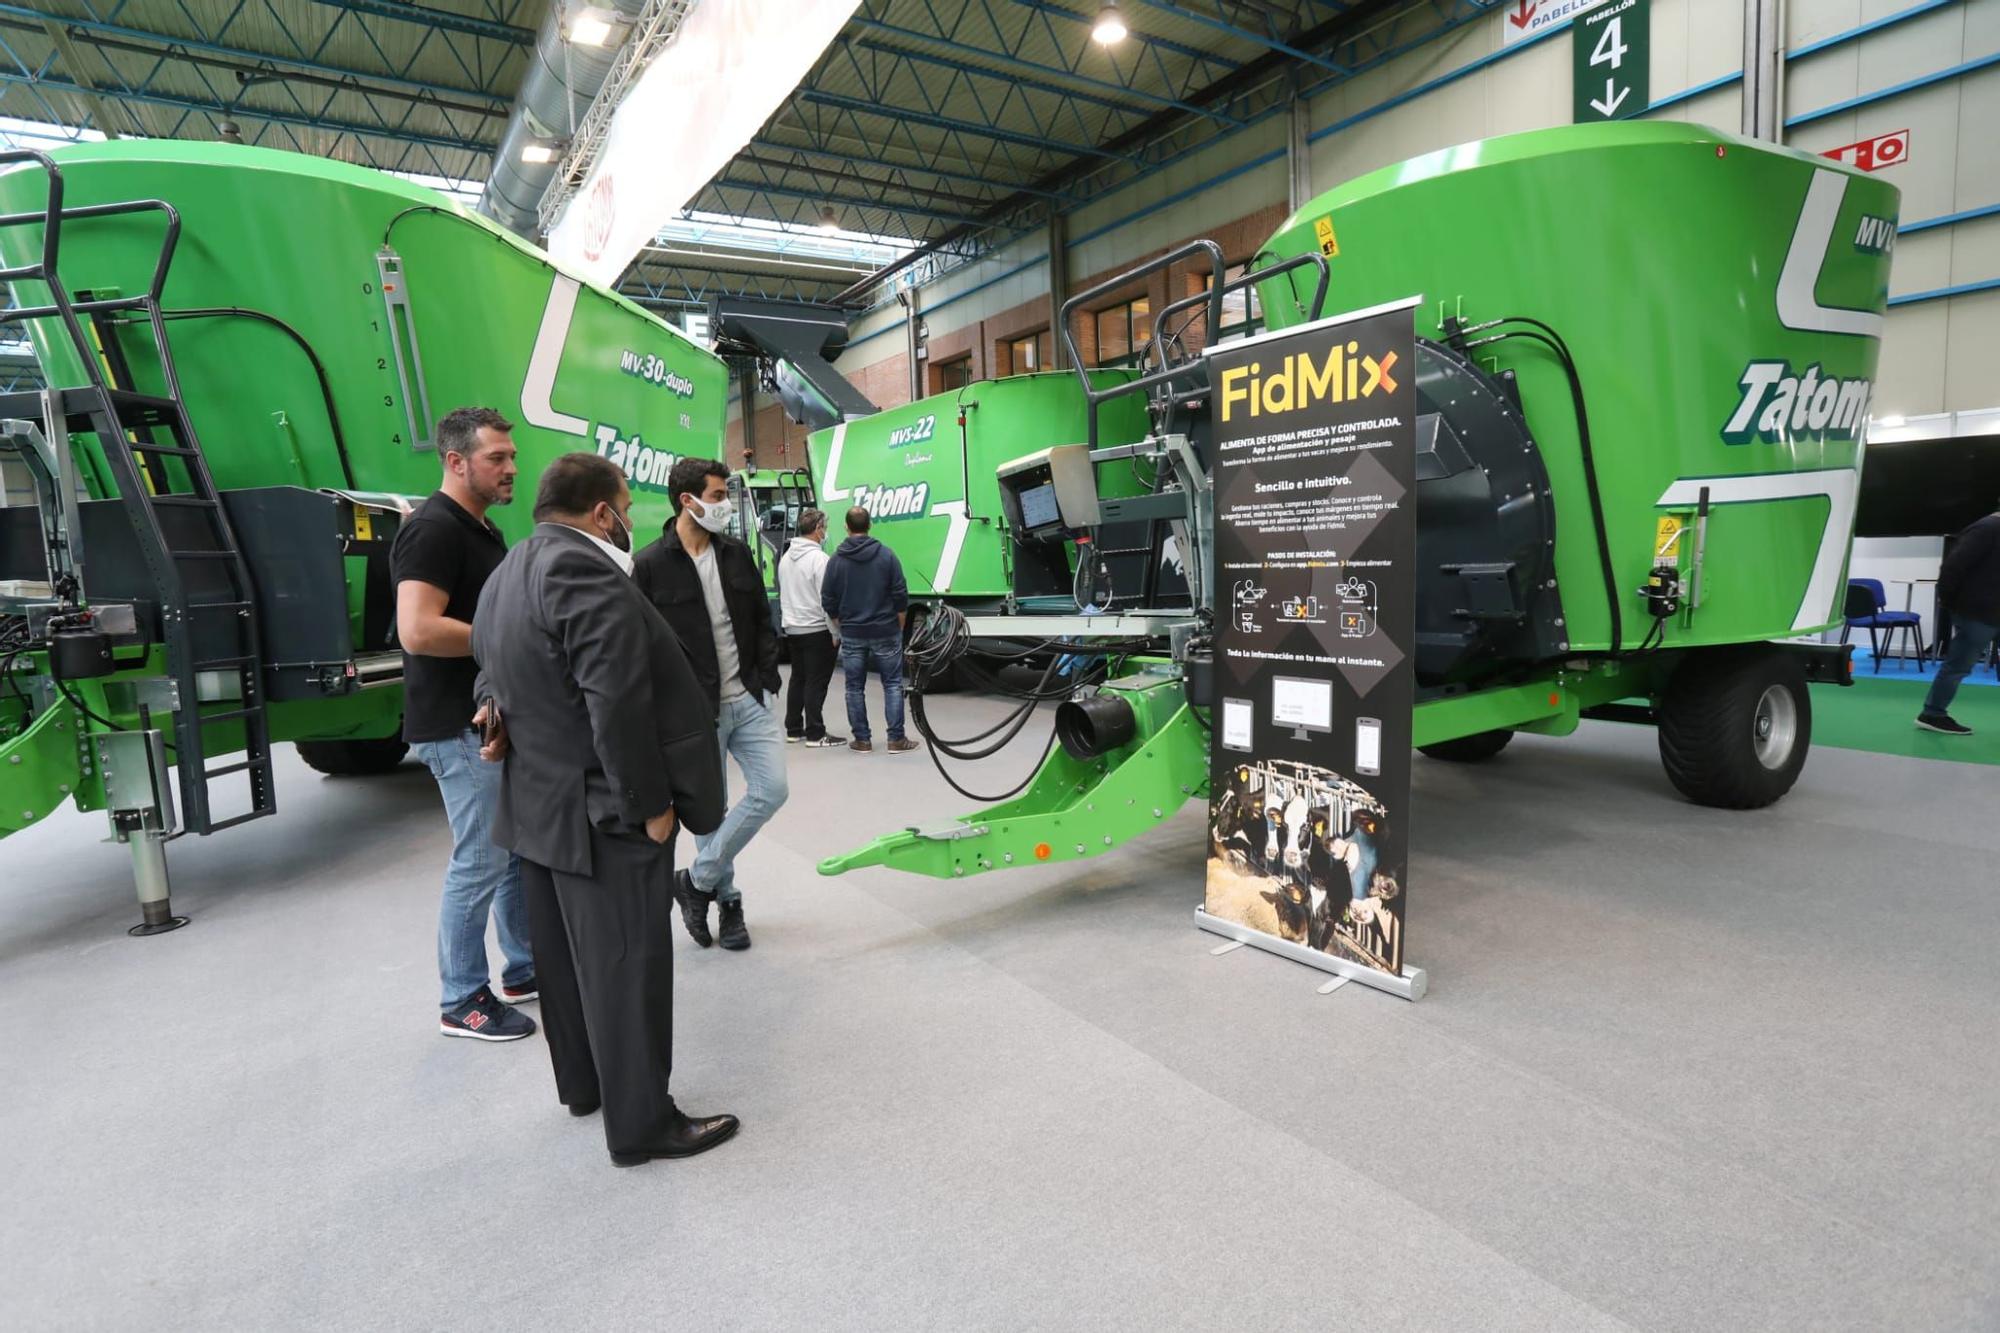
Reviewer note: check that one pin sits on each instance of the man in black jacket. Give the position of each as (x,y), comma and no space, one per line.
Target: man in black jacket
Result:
(865,600)
(606,746)
(706,585)
(1968,588)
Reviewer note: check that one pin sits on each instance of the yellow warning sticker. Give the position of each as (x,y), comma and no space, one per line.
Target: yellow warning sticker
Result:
(1328,244)
(364,527)
(1667,537)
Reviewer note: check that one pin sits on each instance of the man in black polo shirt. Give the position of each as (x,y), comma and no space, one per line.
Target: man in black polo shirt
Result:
(442,558)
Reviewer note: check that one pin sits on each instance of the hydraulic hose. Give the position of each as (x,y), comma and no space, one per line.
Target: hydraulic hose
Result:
(1552,340)
(319,369)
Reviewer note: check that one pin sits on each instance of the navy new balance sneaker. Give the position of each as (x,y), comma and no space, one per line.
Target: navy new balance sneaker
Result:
(484,1018)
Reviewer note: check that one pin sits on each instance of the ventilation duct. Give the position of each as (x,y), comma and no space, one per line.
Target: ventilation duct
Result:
(561,82)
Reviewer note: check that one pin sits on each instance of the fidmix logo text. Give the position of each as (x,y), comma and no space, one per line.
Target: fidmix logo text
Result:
(1300,382)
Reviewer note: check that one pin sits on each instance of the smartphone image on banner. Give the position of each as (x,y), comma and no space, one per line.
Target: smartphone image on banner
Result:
(1236,724)
(1368,746)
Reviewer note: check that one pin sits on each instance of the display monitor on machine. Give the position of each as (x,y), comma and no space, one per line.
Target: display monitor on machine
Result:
(1038,506)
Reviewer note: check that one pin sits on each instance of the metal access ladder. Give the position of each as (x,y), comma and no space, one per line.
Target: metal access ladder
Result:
(207,603)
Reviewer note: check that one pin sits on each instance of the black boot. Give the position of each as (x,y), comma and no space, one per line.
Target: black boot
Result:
(734,934)
(694,908)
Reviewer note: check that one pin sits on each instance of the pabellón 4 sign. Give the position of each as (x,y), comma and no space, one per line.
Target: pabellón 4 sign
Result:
(1610,53)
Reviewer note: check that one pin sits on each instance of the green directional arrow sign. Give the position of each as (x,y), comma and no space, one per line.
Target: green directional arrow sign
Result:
(1610,51)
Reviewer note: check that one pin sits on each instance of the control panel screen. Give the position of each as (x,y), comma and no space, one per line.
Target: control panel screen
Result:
(1038,506)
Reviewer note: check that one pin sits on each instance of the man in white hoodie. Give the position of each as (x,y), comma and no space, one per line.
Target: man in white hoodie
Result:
(800,573)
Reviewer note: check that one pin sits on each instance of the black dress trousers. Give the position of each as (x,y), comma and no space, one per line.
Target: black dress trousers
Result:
(604,962)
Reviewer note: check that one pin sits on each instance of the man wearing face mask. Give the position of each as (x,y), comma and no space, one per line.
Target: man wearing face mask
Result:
(606,749)
(705,583)
(443,555)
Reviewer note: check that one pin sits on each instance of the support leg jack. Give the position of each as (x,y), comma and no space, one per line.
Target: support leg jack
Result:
(149,872)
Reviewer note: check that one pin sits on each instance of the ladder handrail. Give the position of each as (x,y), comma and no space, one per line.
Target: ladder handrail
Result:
(179,610)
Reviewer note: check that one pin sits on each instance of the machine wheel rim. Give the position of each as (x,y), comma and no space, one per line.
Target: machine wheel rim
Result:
(1775,726)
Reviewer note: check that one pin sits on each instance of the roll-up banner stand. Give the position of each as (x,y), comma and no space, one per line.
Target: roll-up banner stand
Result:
(1314,466)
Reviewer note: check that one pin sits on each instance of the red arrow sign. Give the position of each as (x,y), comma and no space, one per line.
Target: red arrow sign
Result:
(1524,13)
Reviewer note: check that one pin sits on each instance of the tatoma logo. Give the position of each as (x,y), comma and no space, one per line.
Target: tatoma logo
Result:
(884,503)
(642,466)
(1298,382)
(1779,405)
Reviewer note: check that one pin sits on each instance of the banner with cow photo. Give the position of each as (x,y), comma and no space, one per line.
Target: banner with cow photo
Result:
(1314,465)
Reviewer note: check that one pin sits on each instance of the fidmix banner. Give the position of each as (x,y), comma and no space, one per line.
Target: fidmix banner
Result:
(1315,552)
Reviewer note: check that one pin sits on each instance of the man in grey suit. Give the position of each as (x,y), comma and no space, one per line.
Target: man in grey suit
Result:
(609,745)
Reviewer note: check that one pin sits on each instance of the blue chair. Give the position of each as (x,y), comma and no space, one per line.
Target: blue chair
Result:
(1866,609)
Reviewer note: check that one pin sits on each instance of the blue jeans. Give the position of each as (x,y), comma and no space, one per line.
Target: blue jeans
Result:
(1970,640)
(480,877)
(885,654)
(750,731)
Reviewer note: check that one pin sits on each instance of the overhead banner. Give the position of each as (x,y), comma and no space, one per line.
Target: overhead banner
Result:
(1314,466)
(704,97)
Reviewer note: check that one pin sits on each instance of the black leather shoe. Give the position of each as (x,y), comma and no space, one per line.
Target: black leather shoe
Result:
(584,1108)
(685,1137)
(694,908)
(732,933)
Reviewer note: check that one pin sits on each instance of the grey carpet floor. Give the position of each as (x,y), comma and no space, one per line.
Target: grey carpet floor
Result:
(1678,1069)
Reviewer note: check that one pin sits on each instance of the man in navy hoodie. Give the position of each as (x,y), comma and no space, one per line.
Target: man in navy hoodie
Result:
(865,599)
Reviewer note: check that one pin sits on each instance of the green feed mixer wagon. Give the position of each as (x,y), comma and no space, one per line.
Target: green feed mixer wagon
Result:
(246,353)
(1644,359)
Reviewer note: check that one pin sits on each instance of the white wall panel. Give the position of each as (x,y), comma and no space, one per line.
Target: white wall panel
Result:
(1715,39)
(1924,45)
(1922,262)
(1978,166)
(1982,26)
(1520,96)
(1809,21)
(1971,343)
(1821,79)
(1910,378)
(1975,257)
(1718,108)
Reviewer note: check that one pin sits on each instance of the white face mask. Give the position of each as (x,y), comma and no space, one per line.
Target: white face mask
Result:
(714,517)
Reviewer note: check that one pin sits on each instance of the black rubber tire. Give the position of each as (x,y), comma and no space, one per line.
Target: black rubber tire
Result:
(1472,749)
(1718,704)
(353,759)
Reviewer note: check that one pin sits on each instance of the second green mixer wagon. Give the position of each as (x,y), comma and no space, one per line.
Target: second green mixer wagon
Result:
(1645,354)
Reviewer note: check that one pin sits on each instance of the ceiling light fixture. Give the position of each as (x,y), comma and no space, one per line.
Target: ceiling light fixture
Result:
(827,221)
(1110,26)
(538,152)
(591,27)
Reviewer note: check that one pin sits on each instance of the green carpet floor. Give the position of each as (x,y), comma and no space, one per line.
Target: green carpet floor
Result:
(1880,715)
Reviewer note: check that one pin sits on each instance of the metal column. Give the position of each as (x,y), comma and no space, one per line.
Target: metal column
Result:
(1298,154)
(1764,69)
(1058,286)
(746,387)
(913,306)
